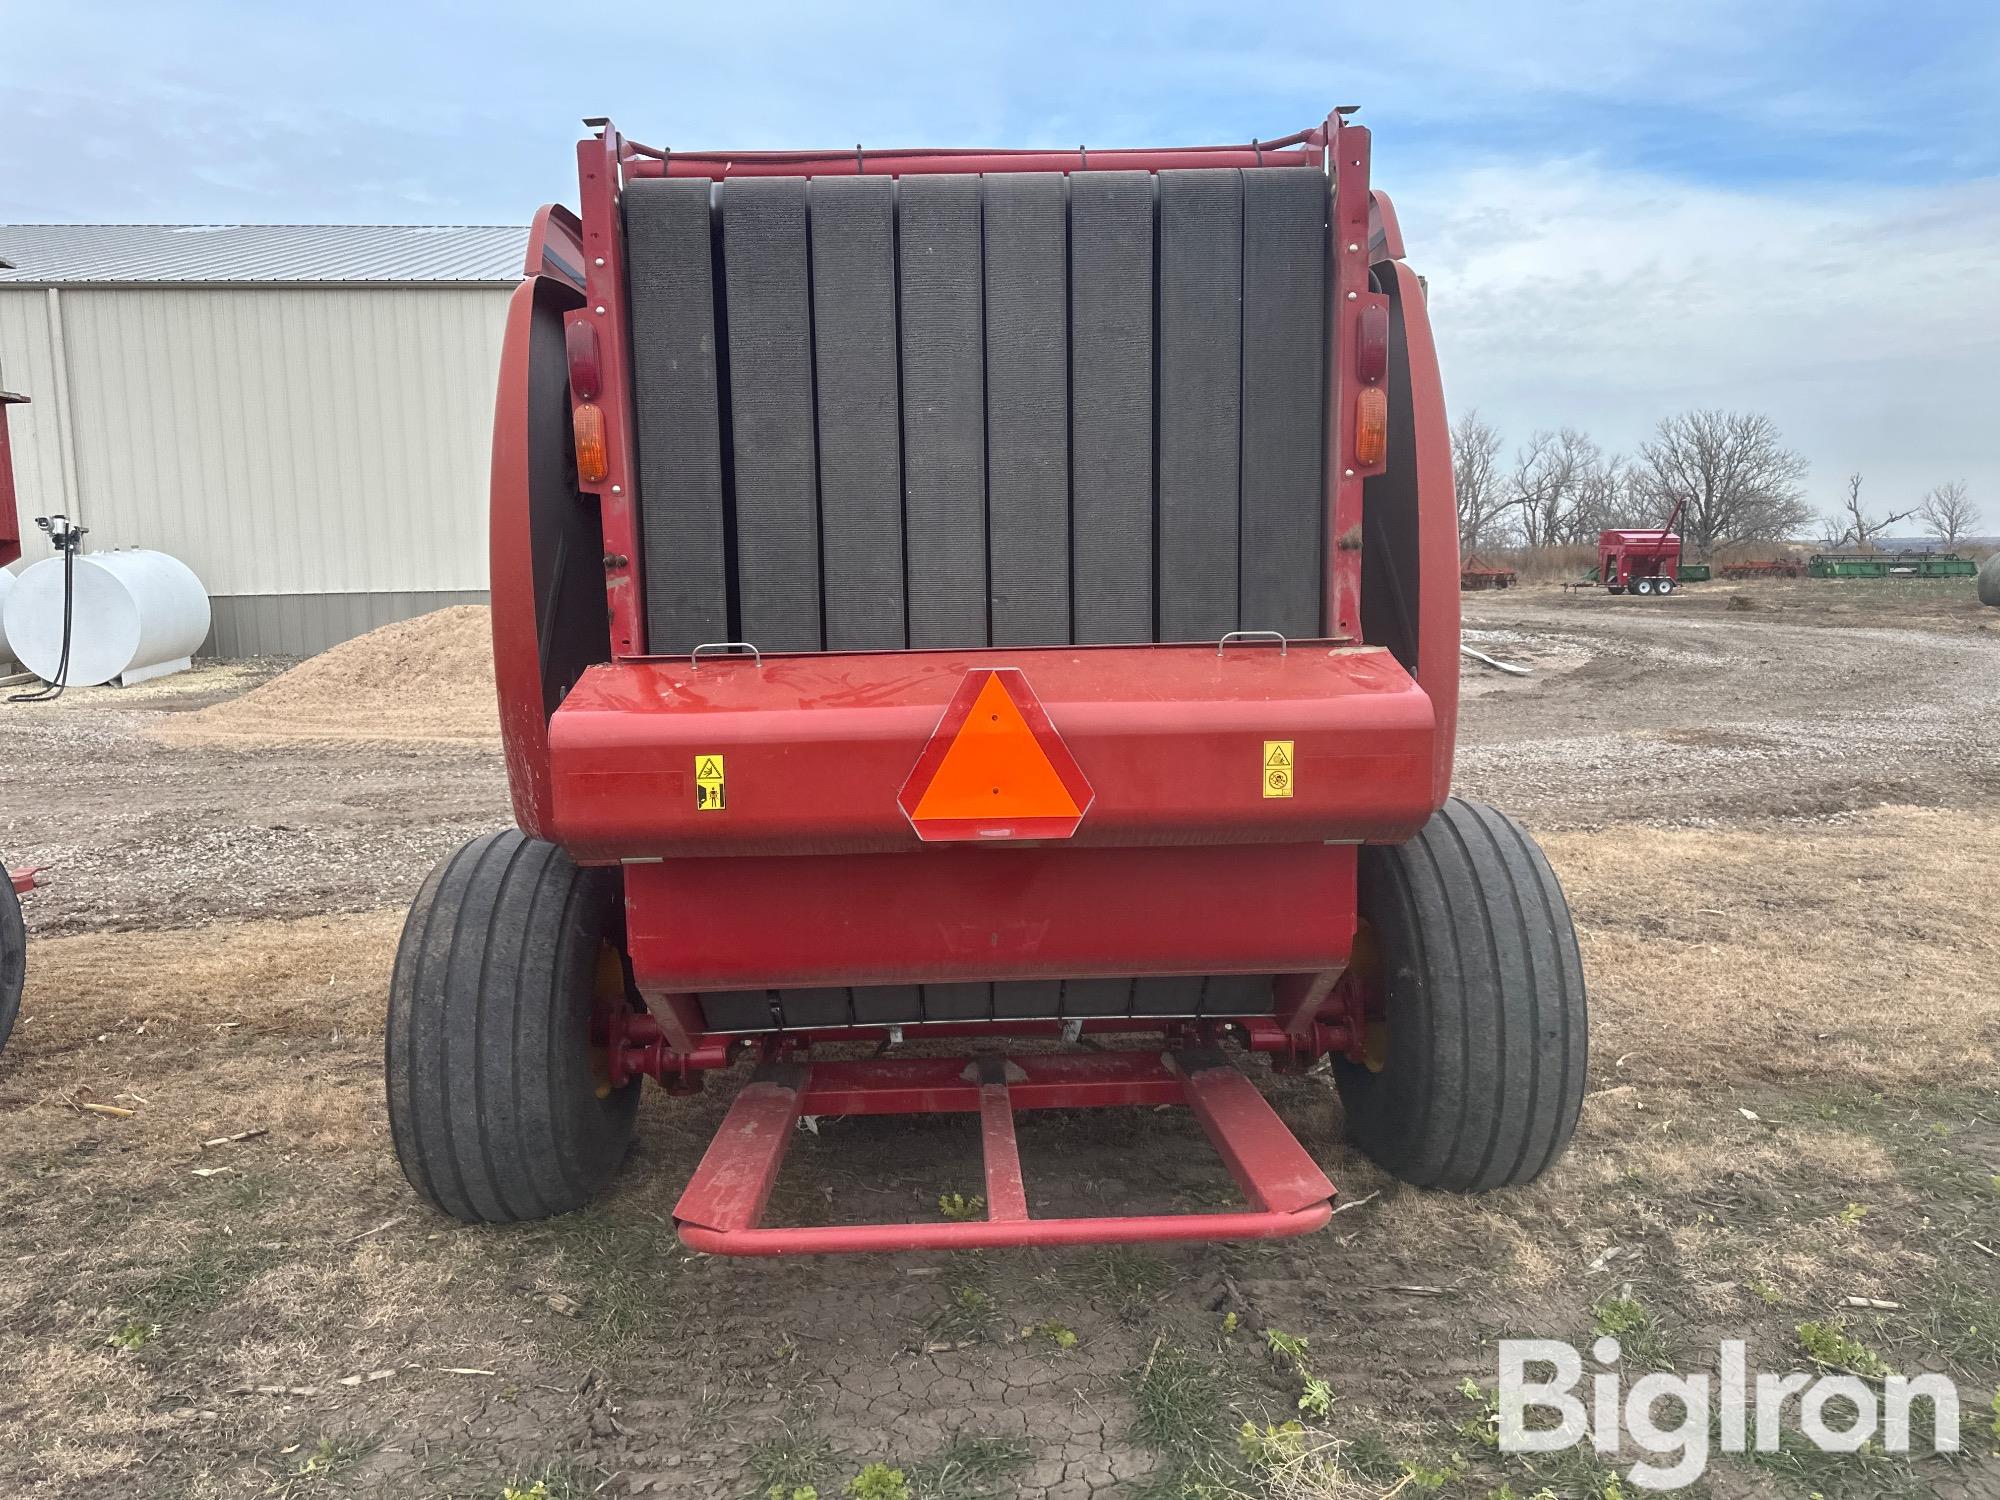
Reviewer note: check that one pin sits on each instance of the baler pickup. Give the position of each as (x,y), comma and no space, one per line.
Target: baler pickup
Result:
(723,1207)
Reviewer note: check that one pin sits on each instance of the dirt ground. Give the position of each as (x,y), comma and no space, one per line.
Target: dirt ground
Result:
(1777,827)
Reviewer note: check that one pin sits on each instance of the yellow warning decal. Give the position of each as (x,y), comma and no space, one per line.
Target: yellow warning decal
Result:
(708,783)
(1280,775)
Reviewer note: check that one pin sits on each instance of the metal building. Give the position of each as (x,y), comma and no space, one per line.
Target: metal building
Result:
(301,413)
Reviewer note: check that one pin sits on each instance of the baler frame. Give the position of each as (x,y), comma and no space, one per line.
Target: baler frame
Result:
(1173,853)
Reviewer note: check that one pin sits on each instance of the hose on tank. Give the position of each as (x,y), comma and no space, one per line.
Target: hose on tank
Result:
(66,539)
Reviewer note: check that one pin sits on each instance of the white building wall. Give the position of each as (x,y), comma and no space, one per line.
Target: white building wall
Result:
(317,455)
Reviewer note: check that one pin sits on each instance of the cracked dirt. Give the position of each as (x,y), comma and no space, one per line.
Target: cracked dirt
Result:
(1777,834)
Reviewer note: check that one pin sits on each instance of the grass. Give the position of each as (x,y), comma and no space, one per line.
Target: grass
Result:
(1116,1279)
(790,1462)
(1636,1329)
(970,1468)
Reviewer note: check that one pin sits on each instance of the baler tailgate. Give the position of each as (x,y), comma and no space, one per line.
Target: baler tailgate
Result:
(721,1210)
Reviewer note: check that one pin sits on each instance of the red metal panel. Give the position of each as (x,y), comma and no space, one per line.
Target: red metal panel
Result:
(730,1187)
(1157,1229)
(10,519)
(1437,528)
(1385,233)
(1006,1192)
(1169,738)
(940,1085)
(517,671)
(604,277)
(1267,1161)
(555,246)
(1300,149)
(1348,153)
(959,913)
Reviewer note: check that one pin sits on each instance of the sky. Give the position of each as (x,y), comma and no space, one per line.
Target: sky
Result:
(1622,209)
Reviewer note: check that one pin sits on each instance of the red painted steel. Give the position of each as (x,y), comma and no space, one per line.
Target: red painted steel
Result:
(10,518)
(517,670)
(555,246)
(1437,528)
(1006,1189)
(23,880)
(1385,234)
(1169,738)
(1274,1171)
(601,186)
(720,1211)
(733,1181)
(933,915)
(1350,296)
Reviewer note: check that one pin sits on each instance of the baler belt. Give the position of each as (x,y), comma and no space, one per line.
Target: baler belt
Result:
(1008,1000)
(769,306)
(964,411)
(1111,404)
(1285,275)
(683,523)
(1027,409)
(944,410)
(1201,328)
(860,447)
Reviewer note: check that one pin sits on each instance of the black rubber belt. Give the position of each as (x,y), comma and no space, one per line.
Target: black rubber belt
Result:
(771,412)
(1285,270)
(860,437)
(1111,405)
(1027,409)
(944,410)
(1201,265)
(680,446)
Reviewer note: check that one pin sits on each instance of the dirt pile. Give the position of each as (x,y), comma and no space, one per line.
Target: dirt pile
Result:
(427,679)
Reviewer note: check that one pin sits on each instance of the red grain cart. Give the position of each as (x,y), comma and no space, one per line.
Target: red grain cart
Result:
(1640,562)
(977,595)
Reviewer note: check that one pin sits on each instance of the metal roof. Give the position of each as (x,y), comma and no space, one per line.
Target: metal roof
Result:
(60,254)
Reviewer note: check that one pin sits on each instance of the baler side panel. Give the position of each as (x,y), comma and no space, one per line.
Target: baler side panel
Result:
(1410,589)
(549,616)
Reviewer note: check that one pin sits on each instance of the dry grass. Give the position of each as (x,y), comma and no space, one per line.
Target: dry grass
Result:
(141,1306)
(1864,948)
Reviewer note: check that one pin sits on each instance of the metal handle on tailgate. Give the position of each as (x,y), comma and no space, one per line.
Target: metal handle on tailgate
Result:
(724,648)
(1254,635)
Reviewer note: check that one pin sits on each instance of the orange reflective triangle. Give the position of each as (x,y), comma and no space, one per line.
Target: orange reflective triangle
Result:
(995,768)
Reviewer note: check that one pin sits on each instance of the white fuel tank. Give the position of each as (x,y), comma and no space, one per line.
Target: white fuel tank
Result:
(136,614)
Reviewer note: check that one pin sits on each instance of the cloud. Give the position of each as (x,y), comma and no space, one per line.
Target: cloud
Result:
(1867,323)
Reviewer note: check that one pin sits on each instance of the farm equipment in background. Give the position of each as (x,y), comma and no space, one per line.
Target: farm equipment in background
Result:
(1774,567)
(1476,575)
(1641,562)
(1891,565)
(977,595)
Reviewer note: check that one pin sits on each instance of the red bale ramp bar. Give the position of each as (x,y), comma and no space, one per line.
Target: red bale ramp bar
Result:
(721,1210)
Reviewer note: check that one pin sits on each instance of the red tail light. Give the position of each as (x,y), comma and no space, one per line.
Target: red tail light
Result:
(580,343)
(1371,345)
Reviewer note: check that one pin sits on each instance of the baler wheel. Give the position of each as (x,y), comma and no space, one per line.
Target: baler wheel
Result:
(495,1103)
(1482,989)
(13,955)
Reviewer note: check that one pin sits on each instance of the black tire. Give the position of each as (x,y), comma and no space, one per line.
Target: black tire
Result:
(1483,1000)
(1989,580)
(1642,586)
(1665,585)
(493,1101)
(13,956)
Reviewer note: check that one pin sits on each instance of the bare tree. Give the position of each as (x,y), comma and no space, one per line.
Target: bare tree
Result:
(1481,508)
(1739,481)
(1550,487)
(1949,512)
(1852,526)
